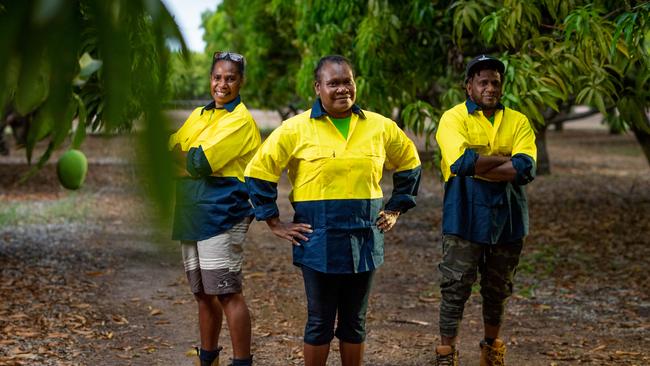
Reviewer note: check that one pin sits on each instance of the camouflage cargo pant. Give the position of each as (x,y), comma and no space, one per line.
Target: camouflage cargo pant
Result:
(461,260)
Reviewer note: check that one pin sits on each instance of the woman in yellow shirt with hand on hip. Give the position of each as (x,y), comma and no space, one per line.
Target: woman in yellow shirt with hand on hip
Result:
(335,154)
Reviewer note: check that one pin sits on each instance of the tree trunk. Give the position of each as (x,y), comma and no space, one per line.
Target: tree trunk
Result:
(397,117)
(644,140)
(543,162)
(287,112)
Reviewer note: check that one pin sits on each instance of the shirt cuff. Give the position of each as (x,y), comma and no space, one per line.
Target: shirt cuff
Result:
(405,187)
(525,167)
(197,163)
(400,202)
(266,211)
(464,166)
(263,195)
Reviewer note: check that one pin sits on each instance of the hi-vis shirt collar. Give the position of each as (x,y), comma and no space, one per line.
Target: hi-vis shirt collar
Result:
(317,110)
(473,107)
(230,106)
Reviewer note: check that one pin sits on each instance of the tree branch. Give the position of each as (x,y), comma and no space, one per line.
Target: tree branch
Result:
(572,116)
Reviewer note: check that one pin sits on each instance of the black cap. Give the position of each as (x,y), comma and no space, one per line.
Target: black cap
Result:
(493,63)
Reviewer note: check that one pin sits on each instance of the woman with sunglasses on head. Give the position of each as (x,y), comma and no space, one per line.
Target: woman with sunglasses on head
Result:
(212,212)
(335,154)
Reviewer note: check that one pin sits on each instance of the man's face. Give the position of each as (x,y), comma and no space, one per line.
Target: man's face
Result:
(336,89)
(484,88)
(225,82)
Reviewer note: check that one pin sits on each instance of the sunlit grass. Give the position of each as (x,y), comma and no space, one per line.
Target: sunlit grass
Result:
(73,208)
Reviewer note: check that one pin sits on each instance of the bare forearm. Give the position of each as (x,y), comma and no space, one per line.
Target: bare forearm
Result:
(501,173)
(273,222)
(486,163)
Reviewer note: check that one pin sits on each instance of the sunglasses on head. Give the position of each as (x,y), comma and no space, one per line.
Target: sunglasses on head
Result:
(229,56)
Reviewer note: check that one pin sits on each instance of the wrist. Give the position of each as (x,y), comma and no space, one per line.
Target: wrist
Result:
(273,221)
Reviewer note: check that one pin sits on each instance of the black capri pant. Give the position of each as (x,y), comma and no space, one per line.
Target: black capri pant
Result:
(332,293)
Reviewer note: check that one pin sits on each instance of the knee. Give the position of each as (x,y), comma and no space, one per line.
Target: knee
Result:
(352,331)
(496,293)
(456,285)
(203,298)
(318,331)
(351,326)
(231,300)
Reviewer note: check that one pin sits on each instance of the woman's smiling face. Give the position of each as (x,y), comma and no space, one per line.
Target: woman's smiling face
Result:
(336,88)
(225,82)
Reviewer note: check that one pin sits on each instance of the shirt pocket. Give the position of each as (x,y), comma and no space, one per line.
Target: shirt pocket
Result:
(479,142)
(314,153)
(365,169)
(504,145)
(311,161)
(476,136)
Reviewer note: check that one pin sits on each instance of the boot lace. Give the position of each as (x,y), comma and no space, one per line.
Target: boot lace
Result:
(446,360)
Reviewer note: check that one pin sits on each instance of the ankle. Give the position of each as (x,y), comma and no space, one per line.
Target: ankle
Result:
(445,349)
(242,362)
(207,357)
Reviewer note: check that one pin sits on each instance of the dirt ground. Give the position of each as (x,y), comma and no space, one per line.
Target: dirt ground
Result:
(87,279)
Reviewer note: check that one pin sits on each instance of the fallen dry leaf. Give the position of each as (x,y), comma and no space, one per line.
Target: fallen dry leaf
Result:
(599,348)
(410,321)
(255,275)
(119,319)
(626,353)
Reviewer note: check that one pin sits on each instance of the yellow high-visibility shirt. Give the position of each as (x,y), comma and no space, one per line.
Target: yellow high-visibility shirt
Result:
(459,130)
(474,208)
(219,144)
(322,165)
(227,138)
(335,184)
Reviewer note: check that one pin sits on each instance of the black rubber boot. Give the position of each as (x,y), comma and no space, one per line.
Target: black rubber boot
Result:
(246,362)
(208,360)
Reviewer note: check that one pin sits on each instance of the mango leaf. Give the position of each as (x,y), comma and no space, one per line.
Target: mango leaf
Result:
(33,84)
(40,128)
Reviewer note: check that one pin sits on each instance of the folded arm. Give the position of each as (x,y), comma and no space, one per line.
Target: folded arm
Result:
(496,168)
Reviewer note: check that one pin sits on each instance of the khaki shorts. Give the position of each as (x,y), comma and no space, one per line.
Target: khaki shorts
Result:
(213,266)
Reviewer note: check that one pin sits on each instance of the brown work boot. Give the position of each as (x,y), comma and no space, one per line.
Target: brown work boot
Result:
(494,355)
(446,356)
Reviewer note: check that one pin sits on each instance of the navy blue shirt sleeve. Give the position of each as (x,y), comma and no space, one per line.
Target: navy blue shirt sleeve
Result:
(405,187)
(464,166)
(525,167)
(197,163)
(263,195)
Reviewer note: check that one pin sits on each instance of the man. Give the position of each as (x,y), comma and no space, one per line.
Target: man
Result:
(488,155)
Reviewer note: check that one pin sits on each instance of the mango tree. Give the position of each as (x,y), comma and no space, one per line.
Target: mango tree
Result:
(410,55)
(100,63)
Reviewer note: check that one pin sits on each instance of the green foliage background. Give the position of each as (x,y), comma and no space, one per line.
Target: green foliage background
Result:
(107,64)
(189,76)
(410,55)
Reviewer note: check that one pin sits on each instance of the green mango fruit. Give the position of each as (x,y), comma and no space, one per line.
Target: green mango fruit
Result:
(71,169)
